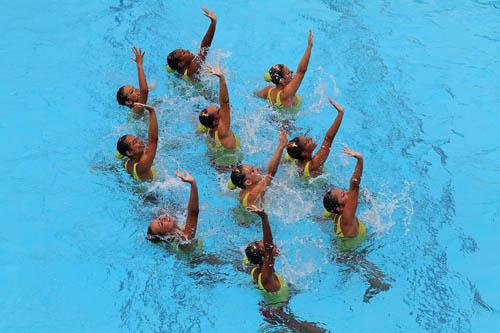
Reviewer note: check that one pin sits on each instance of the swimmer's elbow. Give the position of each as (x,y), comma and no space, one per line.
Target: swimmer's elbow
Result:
(355,182)
(153,138)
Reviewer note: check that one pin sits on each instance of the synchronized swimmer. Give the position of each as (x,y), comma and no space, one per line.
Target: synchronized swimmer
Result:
(215,121)
(283,93)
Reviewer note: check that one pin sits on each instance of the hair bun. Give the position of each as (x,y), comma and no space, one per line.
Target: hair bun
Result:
(267,77)
(230,185)
(118,155)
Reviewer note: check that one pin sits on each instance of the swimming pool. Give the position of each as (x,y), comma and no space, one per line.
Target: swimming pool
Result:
(419,82)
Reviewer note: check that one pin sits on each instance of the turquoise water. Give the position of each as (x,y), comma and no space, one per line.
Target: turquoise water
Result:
(419,81)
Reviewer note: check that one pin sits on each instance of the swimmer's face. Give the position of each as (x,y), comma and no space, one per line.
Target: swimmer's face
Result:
(163,225)
(340,196)
(252,175)
(259,245)
(307,144)
(135,144)
(184,56)
(287,75)
(133,94)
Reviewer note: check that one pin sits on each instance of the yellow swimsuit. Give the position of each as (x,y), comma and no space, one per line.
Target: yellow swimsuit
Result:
(136,176)
(185,76)
(276,298)
(347,242)
(278,99)
(244,201)
(306,173)
(218,144)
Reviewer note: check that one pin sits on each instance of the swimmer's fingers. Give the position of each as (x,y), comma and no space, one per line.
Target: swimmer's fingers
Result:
(256,210)
(310,38)
(138,55)
(214,71)
(186,177)
(147,107)
(336,105)
(348,151)
(209,14)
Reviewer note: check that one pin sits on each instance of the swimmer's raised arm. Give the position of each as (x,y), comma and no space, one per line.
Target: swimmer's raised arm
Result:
(268,279)
(193,205)
(206,42)
(351,205)
(272,167)
(143,84)
(225,109)
(291,88)
(146,161)
(322,154)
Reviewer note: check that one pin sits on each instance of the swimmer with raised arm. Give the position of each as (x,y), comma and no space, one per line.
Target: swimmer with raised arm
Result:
(341,206)
(283,93)
(301,148)
(272,286)
(165,228)
(185,63)
(252,183)
(260,255)
(216,119)
(128,95)
(139,157)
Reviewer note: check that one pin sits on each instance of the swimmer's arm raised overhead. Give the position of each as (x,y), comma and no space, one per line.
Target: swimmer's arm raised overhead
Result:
(351,205)
(193,205)
(143,84)
(320,157)
(291,88)
(146,161)
(225,109)
(268,278)
(206,42)
(273,164)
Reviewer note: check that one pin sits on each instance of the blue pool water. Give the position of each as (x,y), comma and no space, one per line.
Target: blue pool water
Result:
(419,81)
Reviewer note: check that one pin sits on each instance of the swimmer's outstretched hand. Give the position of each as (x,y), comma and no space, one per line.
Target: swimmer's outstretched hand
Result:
(283,138)
(310,39)
(186,177)
(209,14)
(349,152)
(336,105)
(147,107)
(139,55)
(257,210)
(215,71)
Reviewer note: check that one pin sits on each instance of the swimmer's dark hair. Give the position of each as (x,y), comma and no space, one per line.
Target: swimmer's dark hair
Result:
(276,73)
(206,119)
(330,203)
(294,149)
(173,61)
(122,146)
(152,237)
(253,254)
(121,97)
(238,177)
